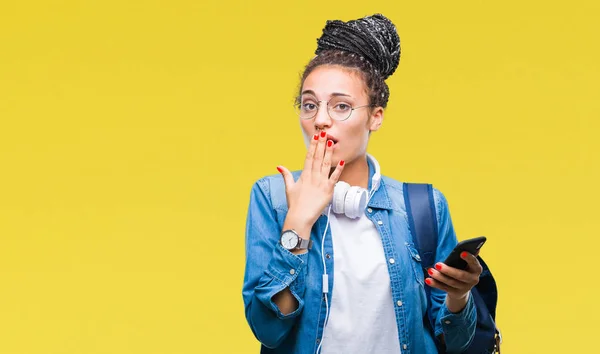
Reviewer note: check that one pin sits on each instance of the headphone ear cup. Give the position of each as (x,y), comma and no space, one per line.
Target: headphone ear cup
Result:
(339,196)
(356,202)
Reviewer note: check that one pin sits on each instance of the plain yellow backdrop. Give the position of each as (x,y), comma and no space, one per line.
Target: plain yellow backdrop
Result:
(132,131)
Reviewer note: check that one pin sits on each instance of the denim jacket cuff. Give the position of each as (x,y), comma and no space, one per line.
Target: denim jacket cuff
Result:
(285,270)
(460,325)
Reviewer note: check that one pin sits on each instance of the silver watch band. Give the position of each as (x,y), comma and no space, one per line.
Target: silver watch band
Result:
(304,244)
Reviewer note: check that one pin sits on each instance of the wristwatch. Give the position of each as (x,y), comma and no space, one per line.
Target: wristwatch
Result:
(290,240)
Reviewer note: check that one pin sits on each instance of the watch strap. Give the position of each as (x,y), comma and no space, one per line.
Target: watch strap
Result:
(304,244)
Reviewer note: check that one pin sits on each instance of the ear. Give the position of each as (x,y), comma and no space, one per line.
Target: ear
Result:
(376,119)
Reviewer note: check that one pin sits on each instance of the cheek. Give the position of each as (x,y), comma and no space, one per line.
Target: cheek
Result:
(358,136)
(304,127)
(358,132)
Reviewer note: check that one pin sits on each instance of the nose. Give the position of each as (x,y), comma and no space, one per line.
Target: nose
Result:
(322,119)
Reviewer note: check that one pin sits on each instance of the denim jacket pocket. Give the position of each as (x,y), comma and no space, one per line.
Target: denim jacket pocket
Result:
(416,264)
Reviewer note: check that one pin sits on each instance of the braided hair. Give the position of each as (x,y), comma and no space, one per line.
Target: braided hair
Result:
(369,45)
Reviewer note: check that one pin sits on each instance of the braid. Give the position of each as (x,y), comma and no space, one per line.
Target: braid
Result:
(373,37)
(369,45)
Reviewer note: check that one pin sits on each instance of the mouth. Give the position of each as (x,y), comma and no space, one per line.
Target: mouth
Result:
(332,138)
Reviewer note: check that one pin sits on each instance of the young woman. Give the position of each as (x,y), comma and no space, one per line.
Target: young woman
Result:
(330,263)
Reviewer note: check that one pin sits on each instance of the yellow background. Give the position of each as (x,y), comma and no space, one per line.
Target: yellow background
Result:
(132,131)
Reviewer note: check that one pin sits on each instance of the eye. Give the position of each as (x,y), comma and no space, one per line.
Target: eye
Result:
(308,106)
(341,107)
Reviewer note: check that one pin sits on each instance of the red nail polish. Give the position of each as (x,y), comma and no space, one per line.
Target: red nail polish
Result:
(279,169)
(428,281)
(329,143)
(316,136)
(430,271)
(438,266)
(463,255)
(323,134)
(342,163)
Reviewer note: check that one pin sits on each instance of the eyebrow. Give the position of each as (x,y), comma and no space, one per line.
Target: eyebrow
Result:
(334,94)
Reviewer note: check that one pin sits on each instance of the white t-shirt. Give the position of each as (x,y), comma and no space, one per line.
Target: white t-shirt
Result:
(362,318)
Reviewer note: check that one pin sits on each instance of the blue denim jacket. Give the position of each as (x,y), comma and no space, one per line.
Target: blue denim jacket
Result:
(270,268)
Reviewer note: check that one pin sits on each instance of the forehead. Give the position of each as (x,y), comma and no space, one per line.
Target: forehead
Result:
(327,79)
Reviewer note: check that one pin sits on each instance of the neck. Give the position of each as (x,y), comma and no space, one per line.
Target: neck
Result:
(356,173)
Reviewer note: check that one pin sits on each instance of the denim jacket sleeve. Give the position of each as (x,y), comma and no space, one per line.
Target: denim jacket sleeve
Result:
(458,328)
(269,269)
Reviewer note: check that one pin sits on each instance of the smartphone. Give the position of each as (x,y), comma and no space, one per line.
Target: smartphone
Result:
(471,246)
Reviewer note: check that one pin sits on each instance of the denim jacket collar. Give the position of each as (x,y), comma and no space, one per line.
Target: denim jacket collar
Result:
(380,198)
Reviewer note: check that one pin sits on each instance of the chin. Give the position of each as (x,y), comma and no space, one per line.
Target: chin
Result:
(335,158)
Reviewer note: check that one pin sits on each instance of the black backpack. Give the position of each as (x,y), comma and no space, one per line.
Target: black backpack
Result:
(420,208)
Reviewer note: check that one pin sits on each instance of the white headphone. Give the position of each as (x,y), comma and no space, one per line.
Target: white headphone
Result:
(352,200)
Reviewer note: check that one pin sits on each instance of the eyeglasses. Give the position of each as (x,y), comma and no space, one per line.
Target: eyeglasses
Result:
(337,108)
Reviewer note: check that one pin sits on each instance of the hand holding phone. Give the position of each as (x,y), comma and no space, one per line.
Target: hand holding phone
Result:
(471,246)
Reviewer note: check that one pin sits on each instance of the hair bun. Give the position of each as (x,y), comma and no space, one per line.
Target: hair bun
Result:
(372,37)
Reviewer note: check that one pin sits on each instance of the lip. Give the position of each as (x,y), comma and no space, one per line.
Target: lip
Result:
(333,138)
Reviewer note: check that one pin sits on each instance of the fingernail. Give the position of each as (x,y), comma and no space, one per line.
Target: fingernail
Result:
(341,162)
(279,169)
(329,143)
(323,134)
(463,255)
(430,271)
(316,136)
(428,281)
(438,266)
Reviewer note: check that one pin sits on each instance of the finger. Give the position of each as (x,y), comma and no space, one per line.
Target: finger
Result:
(326,166)
(443,278)
(474,265)
(310,154)
(335,176)
(288,178)
(318,158)
(438,285)
(458,274)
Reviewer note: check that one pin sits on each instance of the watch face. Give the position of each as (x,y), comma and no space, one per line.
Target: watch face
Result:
(289,240)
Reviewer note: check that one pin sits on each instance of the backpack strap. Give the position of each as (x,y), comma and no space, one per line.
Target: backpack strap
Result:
(420,208)
(422,221)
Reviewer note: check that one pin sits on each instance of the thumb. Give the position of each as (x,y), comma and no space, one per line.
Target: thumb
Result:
(288,179)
